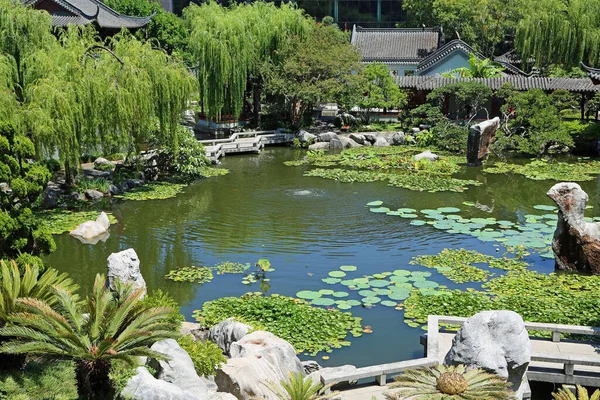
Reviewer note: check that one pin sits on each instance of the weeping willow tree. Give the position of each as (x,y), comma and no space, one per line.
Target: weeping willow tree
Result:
(232,45)
(561,33)
(75,92)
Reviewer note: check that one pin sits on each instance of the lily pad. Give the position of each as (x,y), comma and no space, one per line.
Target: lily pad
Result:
(337,274)
(380,210)
(348,268)
(323,301)
(389,303)
(379,283)
(331,281)
(544,207)
(326,292)
(375,203)
(371,300)
(308,295)
(340,294)
(448,209)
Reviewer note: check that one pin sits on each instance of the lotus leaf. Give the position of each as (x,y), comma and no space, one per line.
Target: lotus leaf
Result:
(308,294)
(375,203)
(323,301)
(348,268)
(331,281)
(337,274)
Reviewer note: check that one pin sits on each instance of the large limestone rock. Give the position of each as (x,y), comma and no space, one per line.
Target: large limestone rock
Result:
(92,229)
(257,357)
(178,368)
(124,266)
(481,136)
(305,137)
(326,137)
(398,139)
(227,332)
(370,137)
(576,243)
(336,144)
(93,194)
(50,195)
(347,369)
(495,341)
(428,155)
(381,142)
(143,386)
(358,138)
(319,146)
(222,396)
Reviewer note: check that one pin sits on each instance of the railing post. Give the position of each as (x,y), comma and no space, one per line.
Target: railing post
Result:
(569,369)
(555,336)
(381,379)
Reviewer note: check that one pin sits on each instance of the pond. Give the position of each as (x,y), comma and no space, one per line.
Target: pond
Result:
(306,227)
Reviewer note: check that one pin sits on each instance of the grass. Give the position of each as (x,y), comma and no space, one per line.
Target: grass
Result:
(100,184)
(55,380)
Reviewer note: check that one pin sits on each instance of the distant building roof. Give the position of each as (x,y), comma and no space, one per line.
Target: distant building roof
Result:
(521,83)
(83,12)
(395,44)
(593,73)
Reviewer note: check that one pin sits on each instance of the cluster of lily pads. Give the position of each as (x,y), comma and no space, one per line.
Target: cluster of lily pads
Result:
(534,233)
(385,288)
(59,220)
(540,170)
(308,329)
(204,274)
(154,191)
(458,264)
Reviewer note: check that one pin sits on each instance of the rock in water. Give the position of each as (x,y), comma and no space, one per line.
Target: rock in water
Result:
(495,341)
(178,368)
(576,243)
(227,332)
(124,266)
(92,229)
(480,138)
(428,155)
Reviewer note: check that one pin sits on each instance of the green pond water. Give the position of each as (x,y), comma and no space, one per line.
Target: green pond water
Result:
(307,227)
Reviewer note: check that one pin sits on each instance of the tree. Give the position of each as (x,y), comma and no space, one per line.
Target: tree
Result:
(316,69)
(21,236)
(477,69)
(104,328)
(380,90)
(468,98)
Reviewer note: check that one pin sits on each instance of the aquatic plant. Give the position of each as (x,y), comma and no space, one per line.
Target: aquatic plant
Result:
(191,274)
(153,191)
(228,267)
(309,329)
(449,382)
(550,170)
(59,220)
(431,183)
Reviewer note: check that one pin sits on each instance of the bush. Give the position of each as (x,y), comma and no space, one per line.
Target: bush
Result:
(207,356)
(54,380)
(100,184)
(158,298)
(190,161)
(451,137)
(119,375)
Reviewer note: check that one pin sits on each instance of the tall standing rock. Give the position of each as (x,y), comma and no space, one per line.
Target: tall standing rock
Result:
(495,341)
(576,243)
(124,266)
(480,138)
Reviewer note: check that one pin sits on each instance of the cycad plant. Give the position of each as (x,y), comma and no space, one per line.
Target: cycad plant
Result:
(449,383)
(298,388)
(582,394)
(93,333)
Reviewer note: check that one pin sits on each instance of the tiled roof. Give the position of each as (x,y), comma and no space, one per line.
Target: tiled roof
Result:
(86,11)
(519,82)
(593,73)
(395,44)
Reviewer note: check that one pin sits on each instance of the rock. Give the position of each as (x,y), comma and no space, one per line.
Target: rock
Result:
(305,137)
(178,369)
(124,266)
(211,386)
(115,189)
(227,332)
(267,346)
(93,194)
(92,229)
(310,366)
(428,155)
(576,243)
(319,146)
(358,138)
(381,142)
(94,173)
(398,139)
(367,143)
(188,119)
(495,341)
(345,119)
(129,184)
(348,369)
(222,396)
(336,144)
(94,240)
(257,357)
(49,195)
(370,137)
(5,188)
(349,143)
(415,130)
(77,196)
(481,136)
(143,386)
(326,137)
(424,127)
(100,163)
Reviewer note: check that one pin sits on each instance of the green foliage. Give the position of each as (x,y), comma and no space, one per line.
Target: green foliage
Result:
(540,170)
(93,333)
(35,381)
(451,382)
(100,184)
(207,356)
(228,267)
(451,137)
(160,299)
(468,98)
(154,191)
(59,220)
(307,328)
(534,126)
(582,394)
(298,388)
(191,274)
(189,160)
(317,68)
(380,90)
(119,374)
(263,265)
(477,69)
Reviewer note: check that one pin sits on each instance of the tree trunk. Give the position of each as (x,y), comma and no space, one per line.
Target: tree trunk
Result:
(92,380)
(256,107)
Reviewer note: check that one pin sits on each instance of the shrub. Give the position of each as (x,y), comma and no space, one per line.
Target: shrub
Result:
(100,184)
(119,375)
(207,356)
(158,298)
(451,137)
(35,381)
